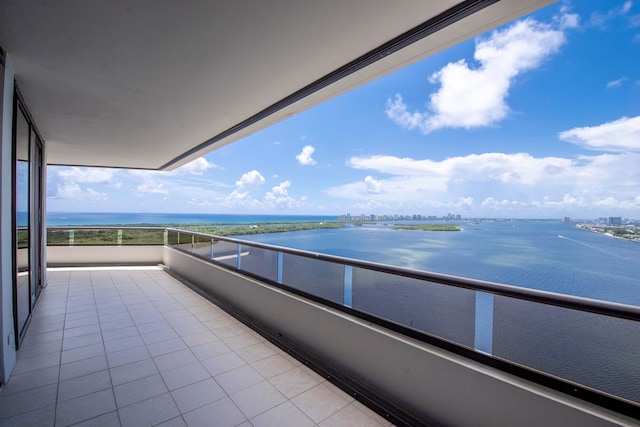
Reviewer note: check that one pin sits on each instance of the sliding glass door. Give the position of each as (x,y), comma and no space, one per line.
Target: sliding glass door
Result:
(28,183)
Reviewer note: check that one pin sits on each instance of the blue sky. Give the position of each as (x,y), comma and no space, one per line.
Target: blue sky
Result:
(539,118)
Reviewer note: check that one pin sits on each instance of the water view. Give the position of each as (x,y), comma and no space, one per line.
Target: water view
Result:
(591,350)
(553,256)
(545,255)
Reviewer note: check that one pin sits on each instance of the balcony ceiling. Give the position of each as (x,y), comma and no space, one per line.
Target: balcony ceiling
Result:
(154,84)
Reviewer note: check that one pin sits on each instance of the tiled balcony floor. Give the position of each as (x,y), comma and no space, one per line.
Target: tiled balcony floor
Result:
(134,347)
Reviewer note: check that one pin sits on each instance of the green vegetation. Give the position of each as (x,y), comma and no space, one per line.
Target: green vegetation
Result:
(23,238)
(428,227)
(244,230)
(104,237)
(620,232)
(115,236)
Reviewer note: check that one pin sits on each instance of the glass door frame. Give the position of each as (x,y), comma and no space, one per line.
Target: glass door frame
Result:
(35,217)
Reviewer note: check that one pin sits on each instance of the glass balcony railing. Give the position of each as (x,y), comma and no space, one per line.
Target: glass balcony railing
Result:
(584,347)
(105,236)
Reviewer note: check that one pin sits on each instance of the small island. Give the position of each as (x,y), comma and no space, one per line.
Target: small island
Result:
(428,227)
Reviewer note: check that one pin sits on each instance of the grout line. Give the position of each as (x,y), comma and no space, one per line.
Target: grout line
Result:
(162,290)
(67,286)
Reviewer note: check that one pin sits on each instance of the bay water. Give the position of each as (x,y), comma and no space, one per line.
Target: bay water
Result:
(546,255)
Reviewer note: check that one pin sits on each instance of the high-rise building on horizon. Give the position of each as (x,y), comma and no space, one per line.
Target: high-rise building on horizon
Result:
(614,220)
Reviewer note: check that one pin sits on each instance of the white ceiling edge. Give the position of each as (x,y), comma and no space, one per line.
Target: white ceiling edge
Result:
(108,91)
(478,23)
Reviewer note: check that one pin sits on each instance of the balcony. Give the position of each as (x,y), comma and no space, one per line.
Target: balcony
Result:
(119,344)
(133,346)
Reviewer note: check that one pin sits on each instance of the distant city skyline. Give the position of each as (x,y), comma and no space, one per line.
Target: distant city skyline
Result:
(539,118)
(610,220)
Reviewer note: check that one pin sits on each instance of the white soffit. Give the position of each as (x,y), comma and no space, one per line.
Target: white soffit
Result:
(154,84)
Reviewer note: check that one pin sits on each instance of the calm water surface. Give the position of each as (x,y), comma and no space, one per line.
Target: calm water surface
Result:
(550,256)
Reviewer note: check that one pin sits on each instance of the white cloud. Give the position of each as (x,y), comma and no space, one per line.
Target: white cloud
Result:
(498,184)
(87,175)
(151,181)
(152,187)
(96,195)
(246,194)
(304,158)
(476,97)
(69,190)
(620,135)
(601,19)
(279,198)
(372,185)
(67,182)
(281,189)
(566,19)
(197,167)
(250,179)
(616,83)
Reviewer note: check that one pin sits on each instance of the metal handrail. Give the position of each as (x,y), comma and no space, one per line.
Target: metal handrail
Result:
(606,308)
(104,227)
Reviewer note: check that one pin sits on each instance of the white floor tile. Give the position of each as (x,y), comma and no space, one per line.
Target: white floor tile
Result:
(140,348)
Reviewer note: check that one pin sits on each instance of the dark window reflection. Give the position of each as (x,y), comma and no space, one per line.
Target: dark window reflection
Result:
(23,281)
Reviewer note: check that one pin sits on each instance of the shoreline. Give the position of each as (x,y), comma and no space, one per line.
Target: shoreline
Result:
(605,231)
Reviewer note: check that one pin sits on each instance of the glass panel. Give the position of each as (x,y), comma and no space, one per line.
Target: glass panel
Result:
(142,237)
(60,237)
(225,252)
(185,241)
(172,238)
(23,218)
(443,311)
(96,237)
(261,262)
(320,278)
(202,246)
(57,237)
(593,350)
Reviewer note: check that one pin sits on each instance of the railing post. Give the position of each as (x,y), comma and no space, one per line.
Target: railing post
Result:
(348,285)
(280,267)
(119,237)
(211,252)
(484,322)
(239,264)
(72,237)
(193,243)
